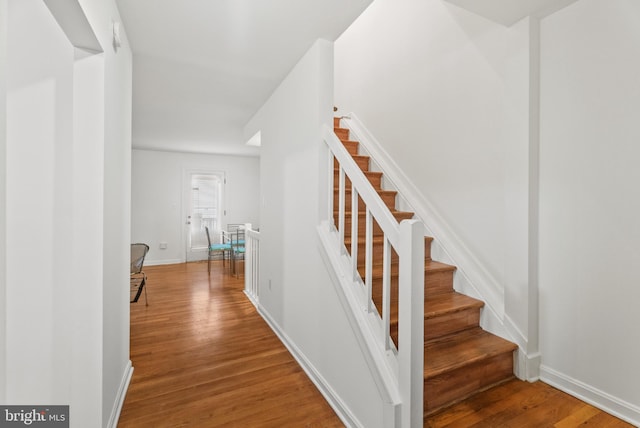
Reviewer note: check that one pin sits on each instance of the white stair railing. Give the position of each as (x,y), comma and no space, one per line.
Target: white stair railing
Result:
(252,264)
(404,363)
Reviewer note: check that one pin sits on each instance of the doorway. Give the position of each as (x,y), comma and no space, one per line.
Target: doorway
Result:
(203,194)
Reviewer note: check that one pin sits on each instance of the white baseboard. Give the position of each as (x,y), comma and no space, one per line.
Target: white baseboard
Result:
(587,393)
(122,393)
(336,403)
(527,365)
(162,262)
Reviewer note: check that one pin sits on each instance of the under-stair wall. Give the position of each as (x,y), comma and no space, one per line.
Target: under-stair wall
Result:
(297,295)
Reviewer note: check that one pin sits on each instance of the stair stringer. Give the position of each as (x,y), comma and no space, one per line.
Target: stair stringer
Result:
(364,325)
(471,277)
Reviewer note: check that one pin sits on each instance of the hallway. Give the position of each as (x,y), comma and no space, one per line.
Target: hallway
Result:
(203,357)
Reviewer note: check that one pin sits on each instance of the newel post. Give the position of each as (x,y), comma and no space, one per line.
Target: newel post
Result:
(411,323)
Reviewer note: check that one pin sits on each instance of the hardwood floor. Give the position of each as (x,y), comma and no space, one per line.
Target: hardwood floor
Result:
(518,404)
(203,357)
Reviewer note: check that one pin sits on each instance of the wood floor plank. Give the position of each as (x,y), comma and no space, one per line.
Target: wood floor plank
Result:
(519,404)
(203,357)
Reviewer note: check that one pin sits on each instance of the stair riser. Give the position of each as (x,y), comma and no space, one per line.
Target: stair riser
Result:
(451,323)
(362,228)
(342,133)
(336,122)
(438,282)
(450,387)
(362,162)
(351,146)
(440,326)
(376,255)
(434,282)
(377,231)
(389,200)
(374,179)
(427,248)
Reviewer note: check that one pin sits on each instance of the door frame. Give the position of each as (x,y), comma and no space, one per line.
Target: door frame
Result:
(186,199)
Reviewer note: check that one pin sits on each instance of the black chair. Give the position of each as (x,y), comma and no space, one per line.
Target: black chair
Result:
(216,248)
(138,277)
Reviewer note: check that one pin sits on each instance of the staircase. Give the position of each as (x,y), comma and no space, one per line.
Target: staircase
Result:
(461,358)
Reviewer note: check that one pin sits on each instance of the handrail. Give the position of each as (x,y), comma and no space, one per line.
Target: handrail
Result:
(407,238)
(366,191)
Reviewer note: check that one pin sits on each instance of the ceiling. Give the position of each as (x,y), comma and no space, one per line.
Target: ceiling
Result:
(508,12)
(202,68)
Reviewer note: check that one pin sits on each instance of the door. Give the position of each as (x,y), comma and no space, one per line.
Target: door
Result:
(203,191)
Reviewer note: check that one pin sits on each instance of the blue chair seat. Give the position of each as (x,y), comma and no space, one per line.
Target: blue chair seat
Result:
(213,248)
(220,247)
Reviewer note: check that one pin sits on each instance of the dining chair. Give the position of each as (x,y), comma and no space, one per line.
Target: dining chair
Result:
(213,249)
(237,248)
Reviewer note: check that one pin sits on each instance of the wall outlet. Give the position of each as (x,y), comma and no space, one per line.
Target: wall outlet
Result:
(163,245)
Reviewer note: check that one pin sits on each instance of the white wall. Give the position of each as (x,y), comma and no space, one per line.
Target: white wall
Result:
(3,183)
(66,306)
(157,197)
(296,292)
(116,161)
(589,204)
(447,95)
(39,123)
(426,78)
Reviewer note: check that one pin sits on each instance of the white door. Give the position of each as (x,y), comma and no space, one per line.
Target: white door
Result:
(203,192)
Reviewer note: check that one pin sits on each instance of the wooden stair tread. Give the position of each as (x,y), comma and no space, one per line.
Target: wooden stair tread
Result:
(361,160)
(433,266)
(374,177)
(398,215)
(379,191)
(360,157)
(460,349)
(350,141)
(442,304)
(377,240)
(372,173)
(445,303)
(341,132)
(430,266)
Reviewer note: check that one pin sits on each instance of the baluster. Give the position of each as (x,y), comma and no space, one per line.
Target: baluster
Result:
(332,158)
(368,261)
(341,205)
(386,293)
(354,232)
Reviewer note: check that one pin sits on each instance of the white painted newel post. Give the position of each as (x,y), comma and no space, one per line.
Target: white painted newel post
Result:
(411,323)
